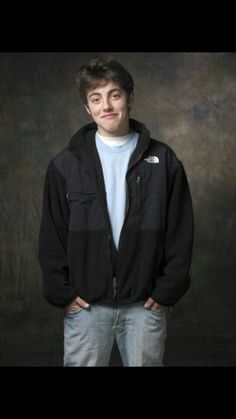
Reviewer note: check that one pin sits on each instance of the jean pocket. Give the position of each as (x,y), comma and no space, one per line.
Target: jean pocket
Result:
(159,310)
(73,312)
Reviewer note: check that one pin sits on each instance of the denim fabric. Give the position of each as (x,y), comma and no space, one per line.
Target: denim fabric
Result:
(140,333)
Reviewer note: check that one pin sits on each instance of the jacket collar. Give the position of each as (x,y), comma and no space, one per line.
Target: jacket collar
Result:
(84,140)
(82,144)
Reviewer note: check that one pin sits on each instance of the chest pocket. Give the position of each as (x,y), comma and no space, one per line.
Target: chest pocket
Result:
(82,209)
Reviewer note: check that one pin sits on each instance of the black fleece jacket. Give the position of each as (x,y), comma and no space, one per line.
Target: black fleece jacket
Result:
(76,248)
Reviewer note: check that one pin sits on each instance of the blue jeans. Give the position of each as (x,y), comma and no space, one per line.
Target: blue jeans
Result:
(140,333)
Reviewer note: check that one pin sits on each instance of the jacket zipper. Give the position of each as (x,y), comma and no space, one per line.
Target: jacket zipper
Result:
(138,183)
(114,287)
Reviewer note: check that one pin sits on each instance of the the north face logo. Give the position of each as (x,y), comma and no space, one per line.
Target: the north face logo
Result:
(152,159)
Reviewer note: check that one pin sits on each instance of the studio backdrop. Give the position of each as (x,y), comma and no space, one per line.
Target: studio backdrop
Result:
(187,100)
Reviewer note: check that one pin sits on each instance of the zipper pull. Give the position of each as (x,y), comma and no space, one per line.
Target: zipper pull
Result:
(138,179)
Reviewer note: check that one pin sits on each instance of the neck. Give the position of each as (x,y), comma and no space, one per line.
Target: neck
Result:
(114,141)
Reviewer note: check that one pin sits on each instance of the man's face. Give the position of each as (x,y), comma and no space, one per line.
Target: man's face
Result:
(109,105)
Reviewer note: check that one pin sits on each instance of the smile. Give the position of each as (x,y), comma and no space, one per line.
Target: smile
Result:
(110,116)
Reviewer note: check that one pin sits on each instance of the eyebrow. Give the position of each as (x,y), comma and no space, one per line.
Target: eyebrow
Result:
(99,94)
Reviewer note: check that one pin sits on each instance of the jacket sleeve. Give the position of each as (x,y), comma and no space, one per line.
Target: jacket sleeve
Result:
(174,278)
(53,240)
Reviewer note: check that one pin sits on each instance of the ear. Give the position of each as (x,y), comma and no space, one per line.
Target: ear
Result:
(87,109)
(130,99)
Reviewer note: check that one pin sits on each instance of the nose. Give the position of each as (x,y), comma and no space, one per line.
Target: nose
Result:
(107,107)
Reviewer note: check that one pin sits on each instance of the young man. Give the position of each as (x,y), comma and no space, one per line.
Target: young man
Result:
(116,231)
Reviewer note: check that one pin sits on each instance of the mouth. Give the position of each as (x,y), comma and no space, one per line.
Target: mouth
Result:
(109,116)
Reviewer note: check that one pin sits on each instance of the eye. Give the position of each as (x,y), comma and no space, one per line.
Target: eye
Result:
(96,100)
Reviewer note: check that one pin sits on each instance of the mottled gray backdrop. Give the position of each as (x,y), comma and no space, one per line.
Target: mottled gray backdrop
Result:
(187,100)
